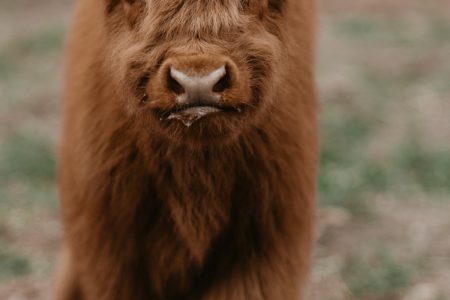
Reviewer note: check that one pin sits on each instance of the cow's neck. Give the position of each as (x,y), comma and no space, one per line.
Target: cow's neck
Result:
(199,187)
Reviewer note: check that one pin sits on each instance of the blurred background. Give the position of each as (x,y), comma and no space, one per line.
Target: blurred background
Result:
(384,188)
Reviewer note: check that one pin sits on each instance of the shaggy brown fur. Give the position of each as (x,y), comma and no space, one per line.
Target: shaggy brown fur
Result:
(220,210)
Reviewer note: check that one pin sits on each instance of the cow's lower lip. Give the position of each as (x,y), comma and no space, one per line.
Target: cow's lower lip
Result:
(192,114)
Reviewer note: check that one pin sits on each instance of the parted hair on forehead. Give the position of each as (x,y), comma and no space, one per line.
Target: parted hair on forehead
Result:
(188,156)
(197,17)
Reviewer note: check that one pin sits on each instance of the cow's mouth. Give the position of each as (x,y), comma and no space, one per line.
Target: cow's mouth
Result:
(190,113)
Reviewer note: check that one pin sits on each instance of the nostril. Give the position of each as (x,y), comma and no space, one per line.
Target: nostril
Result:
(223,84)
(173,85)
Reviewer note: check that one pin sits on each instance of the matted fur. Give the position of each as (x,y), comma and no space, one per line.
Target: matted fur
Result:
(155,210)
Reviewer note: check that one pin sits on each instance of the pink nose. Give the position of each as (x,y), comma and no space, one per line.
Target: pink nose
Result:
(199,79)
(199,87)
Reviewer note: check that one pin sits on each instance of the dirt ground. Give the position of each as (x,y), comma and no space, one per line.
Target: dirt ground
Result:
(383,76)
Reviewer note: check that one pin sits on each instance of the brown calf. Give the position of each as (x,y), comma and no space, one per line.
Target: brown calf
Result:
(188,157)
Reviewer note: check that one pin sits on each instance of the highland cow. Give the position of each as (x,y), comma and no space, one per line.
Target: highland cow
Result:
(188,159)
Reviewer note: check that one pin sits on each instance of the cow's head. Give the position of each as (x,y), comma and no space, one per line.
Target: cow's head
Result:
(194,69)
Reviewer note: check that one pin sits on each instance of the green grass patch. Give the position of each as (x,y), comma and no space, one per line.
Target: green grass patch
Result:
(360,27)
(346,174)
(380,276)
(42,43)
(28,157)
(440,30)
(27,173)
(27,196)
(45,41)
(379,86)
(12,265)
(423,166)
(349,174)
(376,30)
(401,31)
